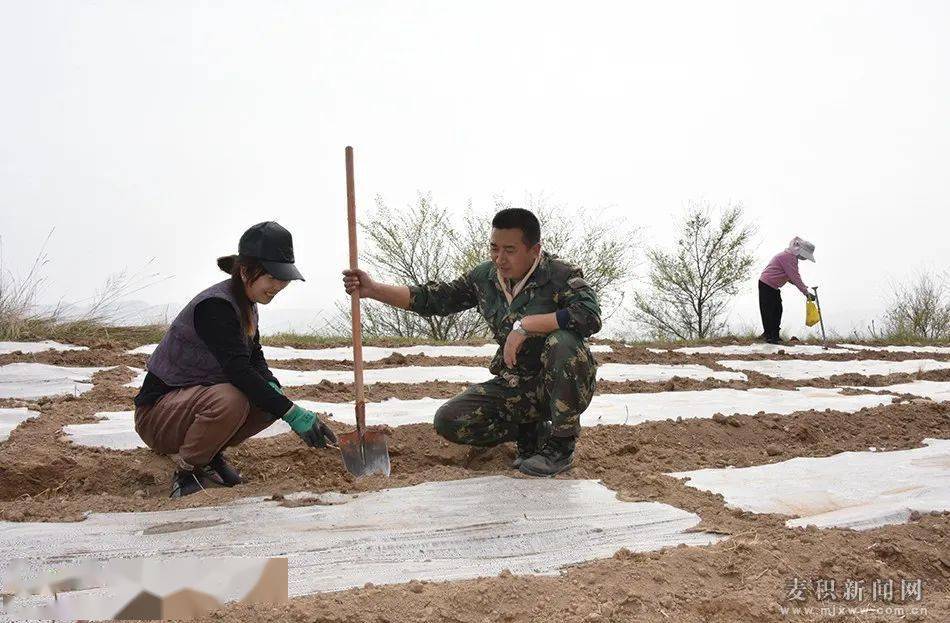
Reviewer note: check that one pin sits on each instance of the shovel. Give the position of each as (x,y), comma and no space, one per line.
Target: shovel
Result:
(364,451)
(821,319)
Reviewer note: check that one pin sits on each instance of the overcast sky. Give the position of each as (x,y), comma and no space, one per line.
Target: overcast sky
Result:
(164,129)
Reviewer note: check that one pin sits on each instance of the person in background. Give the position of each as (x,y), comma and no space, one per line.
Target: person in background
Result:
(782,269)
(208,386)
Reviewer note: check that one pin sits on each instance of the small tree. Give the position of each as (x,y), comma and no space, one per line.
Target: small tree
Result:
(422,243)
(417,245)
(919,309)
(691,286)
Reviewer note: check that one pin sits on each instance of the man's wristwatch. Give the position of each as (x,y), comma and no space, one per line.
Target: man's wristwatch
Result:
(517,328)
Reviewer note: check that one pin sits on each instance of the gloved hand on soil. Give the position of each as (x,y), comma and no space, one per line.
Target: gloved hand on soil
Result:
(309,427)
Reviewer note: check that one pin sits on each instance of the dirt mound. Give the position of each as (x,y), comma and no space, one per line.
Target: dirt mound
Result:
(675,384)
(396,360)
(78,358)
(327,391)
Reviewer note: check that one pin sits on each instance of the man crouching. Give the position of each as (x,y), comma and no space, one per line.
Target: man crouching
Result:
(540,310)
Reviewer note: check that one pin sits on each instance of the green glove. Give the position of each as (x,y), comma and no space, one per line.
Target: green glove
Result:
(277,388)
(309,427)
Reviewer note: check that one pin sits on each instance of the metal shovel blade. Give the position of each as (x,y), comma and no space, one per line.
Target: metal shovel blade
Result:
(366,454)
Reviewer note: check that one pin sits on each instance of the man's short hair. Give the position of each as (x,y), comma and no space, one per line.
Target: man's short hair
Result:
(519,218)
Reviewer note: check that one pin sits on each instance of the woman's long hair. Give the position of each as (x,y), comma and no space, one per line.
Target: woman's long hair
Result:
(252,270)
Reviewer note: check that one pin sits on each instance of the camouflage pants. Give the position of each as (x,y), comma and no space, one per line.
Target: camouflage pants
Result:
(489,413)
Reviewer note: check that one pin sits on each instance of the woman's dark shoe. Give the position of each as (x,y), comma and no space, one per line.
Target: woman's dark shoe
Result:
(185,482)
(222,473)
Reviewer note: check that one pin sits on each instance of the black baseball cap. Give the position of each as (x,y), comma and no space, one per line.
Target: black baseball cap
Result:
(273,246)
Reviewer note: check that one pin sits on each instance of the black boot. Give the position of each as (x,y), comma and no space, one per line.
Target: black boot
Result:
(185,482)
(222,473)
(531,437)
(555,456)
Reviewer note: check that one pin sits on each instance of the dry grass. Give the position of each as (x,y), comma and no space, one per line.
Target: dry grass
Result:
(18,316)
(22,318)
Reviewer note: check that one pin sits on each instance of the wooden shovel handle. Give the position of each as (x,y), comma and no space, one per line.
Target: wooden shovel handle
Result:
(355,297)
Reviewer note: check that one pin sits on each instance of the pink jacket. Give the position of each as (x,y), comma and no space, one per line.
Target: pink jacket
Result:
(782,269)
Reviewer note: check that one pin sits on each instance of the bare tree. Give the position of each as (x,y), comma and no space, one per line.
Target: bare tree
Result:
(918,309)
(421,243)
(690,286)
(414,246)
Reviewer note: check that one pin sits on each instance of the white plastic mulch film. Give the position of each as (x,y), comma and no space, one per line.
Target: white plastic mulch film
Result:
(762,349)
(637,408)
(374,353)
(940,350)
(36,347)
(13,417)
(938,391)
(37,380)
(850,490)
(115,430)
(473,528)
(803,369)
(650,373)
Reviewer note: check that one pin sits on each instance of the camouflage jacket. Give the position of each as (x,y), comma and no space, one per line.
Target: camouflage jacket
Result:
(554,285)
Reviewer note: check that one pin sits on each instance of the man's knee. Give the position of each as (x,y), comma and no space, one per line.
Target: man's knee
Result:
(463,422)
(563,341)
(447,421)
(562,346)
(569,368)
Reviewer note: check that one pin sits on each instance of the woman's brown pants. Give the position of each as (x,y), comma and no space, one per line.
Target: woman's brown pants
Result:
(195,423)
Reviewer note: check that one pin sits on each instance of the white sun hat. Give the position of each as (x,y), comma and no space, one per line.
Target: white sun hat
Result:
(802,248)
